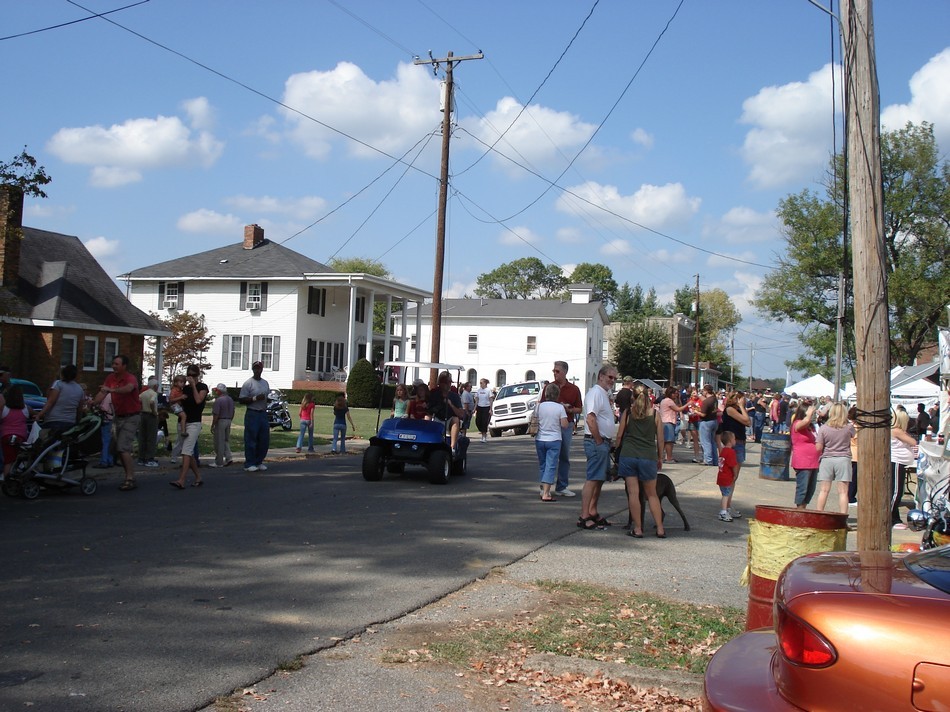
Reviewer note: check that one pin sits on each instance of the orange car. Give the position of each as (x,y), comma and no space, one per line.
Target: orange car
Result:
(853,631)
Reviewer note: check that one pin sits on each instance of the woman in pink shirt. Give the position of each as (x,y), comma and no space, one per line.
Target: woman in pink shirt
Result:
(805,455)
(669,414)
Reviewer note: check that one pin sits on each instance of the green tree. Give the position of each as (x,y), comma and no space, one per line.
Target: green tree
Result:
(525,278)
(684,301)
(362,385)
(642,350)
(804,287)
(601,276)
(189,343)
(376,268)
(624,304)
(24,173)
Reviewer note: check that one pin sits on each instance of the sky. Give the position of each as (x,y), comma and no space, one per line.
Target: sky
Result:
(654,137)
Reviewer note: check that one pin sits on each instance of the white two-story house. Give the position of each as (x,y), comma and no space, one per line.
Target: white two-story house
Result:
(263,301)
(512,340)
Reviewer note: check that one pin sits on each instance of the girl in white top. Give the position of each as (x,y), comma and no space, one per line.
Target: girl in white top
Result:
(551,419)
(903,454)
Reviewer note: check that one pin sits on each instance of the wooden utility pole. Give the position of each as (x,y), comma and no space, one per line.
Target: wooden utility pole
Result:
(871,327)
(696,333)
(448,103)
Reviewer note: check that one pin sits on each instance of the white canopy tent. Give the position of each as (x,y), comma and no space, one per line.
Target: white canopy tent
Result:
(814,387)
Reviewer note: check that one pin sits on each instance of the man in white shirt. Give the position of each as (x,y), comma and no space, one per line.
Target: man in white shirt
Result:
(483,399)
(256,430)
(599,431)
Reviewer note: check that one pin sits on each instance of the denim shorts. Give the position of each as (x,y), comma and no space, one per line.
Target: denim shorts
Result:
(643,468)
(669,433)
(598,458)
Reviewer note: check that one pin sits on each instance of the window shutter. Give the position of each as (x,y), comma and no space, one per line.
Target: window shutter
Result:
(181,296)
(311,354)
(245,350)
(225,356)
(161,295)
(275,361)
(263,296)
(310,300)
(256,349)
(242,303)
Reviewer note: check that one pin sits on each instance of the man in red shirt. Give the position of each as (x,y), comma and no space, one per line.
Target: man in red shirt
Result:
(125,402)
(570,398)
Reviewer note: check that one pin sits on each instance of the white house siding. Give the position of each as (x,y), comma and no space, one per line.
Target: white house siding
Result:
(502,345)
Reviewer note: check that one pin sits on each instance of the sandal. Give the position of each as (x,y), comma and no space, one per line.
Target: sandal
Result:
(589,524)
(177,485)
(197,483)
(601,521)
(128,485)
(634,534)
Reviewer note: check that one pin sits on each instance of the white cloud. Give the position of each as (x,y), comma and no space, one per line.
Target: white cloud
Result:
(113,176)
(570,235)
(101,247)
(210,221)
(642,138)
(200,113)
(930,100)
(743,290)
(790,135)
(663,256)
(121,152)
(568,269)
(539,137)
(742,225)
(458,290)
(616,248)
(653,206)
(519,235)
(389,115)
(305,208)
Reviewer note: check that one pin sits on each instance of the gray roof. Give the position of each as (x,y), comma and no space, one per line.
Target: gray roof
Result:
(60,281)
(514,309)
(266,261)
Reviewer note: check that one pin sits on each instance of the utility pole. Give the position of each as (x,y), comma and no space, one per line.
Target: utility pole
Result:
(696,333)
(871,328)
(751,354)
(449,61)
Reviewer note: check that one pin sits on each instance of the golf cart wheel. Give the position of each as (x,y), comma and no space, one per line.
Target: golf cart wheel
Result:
(438,467)
(460,465)
(397,468)
(373,464)
(88,486)
(495,432)
(12,488)
(30,489)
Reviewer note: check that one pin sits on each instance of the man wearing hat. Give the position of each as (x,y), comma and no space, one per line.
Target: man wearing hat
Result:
(256,430)
(223,413)
(148,423)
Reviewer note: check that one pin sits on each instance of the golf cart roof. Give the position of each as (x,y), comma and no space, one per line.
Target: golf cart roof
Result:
(422,364)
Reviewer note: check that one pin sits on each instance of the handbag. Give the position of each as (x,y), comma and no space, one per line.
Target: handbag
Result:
(533,424)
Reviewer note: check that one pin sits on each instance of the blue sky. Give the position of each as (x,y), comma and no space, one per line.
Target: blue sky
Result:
(691,119)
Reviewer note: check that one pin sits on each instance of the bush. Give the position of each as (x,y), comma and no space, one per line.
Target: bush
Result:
(362,386)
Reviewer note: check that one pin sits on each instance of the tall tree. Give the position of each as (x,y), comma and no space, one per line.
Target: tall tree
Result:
(684,301)
(525,278)
(804,287)
(624,305)
(642,350)
(602,277)
(25,174)
(189,343)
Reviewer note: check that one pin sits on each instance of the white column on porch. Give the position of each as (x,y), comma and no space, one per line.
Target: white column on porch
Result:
(386,336)
(350,330)
(368,316)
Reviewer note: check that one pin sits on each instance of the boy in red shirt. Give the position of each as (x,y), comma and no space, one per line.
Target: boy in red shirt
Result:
(728,474)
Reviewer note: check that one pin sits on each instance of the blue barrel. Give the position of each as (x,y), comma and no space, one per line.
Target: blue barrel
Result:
(775,455)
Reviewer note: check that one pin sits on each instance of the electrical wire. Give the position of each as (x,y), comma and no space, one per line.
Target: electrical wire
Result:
(72,22)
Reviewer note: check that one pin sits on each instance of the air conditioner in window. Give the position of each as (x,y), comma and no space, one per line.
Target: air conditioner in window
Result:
(253,303)
(171,304)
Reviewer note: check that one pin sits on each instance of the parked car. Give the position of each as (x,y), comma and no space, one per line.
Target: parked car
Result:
(32,395)
(853,631)
(513,407)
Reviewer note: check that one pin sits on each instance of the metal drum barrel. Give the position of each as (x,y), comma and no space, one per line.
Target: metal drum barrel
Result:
(777,536)
(775,455)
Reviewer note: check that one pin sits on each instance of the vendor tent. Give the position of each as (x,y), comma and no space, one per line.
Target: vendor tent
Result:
(814,387)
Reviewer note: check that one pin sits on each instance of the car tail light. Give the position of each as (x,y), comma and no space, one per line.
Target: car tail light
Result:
(802,644)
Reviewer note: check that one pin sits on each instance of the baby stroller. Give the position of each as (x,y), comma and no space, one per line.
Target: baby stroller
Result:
(47,462)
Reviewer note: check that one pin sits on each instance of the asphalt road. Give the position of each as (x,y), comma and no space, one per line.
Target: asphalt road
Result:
(161,599)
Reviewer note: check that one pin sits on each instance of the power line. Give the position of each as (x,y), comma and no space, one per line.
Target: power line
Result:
(71,22)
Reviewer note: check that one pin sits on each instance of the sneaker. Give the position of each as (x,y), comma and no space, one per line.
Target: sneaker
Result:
(140,463)
(213,464)
(735,513)
(251,468)
(565,493)
(262,467)
(151,463)
(724,516)
(697,461)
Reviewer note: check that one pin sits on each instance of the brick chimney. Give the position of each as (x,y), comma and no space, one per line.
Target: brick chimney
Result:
(11,234)
(253,236)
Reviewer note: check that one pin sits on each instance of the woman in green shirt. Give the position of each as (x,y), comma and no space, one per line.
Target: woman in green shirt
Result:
(640,439)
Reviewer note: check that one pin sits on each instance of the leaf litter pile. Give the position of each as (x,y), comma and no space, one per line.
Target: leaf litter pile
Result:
(615,630)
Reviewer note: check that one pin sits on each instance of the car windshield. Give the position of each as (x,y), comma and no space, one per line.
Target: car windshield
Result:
(518,389)
(28,387)
(932,566)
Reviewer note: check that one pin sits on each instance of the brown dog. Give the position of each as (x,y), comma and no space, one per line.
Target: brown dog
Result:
(664,488)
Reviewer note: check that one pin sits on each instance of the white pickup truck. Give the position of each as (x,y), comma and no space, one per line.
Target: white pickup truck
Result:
(513,407)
